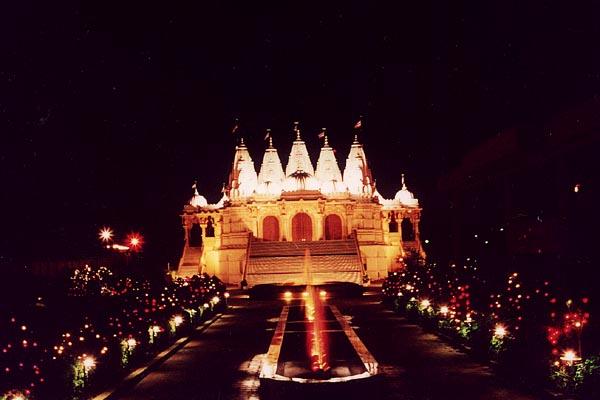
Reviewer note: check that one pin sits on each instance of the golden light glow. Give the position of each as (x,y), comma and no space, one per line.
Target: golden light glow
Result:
(304,294)
(216,300)
(570,357)
(287,295)
(500,331)
(425,303)
(178,319)
(444,310)
(131,342)
(106,234)
(226,295)
(89,362)
(323,293)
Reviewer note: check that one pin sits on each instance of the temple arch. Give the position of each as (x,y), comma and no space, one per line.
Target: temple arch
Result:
(408,232)
(270,228)
(333,227)
(301,227)
(195,239)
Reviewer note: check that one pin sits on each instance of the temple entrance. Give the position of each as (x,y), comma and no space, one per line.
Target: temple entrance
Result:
(301,227)
(333,227)
(408,233)
(270,228)
(195,236)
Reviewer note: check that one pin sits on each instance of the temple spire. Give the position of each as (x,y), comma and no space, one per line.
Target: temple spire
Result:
(328,172)
(403,183)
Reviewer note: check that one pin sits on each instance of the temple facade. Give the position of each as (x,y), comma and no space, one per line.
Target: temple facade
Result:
(265,222)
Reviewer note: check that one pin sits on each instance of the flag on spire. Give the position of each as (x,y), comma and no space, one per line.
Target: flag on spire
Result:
(322,133)
(268,134)
(236,127)
(358,124)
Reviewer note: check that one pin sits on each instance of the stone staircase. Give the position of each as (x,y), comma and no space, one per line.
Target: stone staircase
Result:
(282,263)
(190,261)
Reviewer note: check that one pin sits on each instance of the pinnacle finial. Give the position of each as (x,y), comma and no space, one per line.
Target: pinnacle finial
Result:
(326,143)
(297,130)
(242,141)
(195,187)
(270,137)
(403,183)
(355,139)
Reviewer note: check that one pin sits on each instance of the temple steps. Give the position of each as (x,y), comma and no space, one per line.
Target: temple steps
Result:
(283,262)
(190,261)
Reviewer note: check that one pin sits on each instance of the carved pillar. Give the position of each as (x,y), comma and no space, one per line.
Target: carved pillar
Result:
(186,234)
(286,234)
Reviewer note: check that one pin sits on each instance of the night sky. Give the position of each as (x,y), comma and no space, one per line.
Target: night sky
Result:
(110,110)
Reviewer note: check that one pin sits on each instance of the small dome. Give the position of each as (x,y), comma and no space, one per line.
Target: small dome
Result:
(406,197)
(300,180)
(198,200)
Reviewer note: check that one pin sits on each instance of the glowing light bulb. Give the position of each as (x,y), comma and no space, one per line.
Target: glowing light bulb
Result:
(89,362)
(444,310)
(322,293)
(570,357)
(216,299)
(500,331)
(131,342)
(105,234)
(425,303)
(178,319)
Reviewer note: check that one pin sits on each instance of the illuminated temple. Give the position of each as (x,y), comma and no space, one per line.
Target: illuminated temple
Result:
(259,230)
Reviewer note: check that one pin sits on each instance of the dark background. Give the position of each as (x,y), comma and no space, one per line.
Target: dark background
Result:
(110,110)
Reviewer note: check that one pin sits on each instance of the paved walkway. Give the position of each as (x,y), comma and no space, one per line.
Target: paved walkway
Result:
(223,361)
(418,365)
(220,363)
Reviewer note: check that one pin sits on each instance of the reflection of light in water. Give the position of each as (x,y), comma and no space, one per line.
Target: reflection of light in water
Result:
(314,314)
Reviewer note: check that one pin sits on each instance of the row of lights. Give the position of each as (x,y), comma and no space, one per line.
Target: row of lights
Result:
(134,240)
(570,357)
